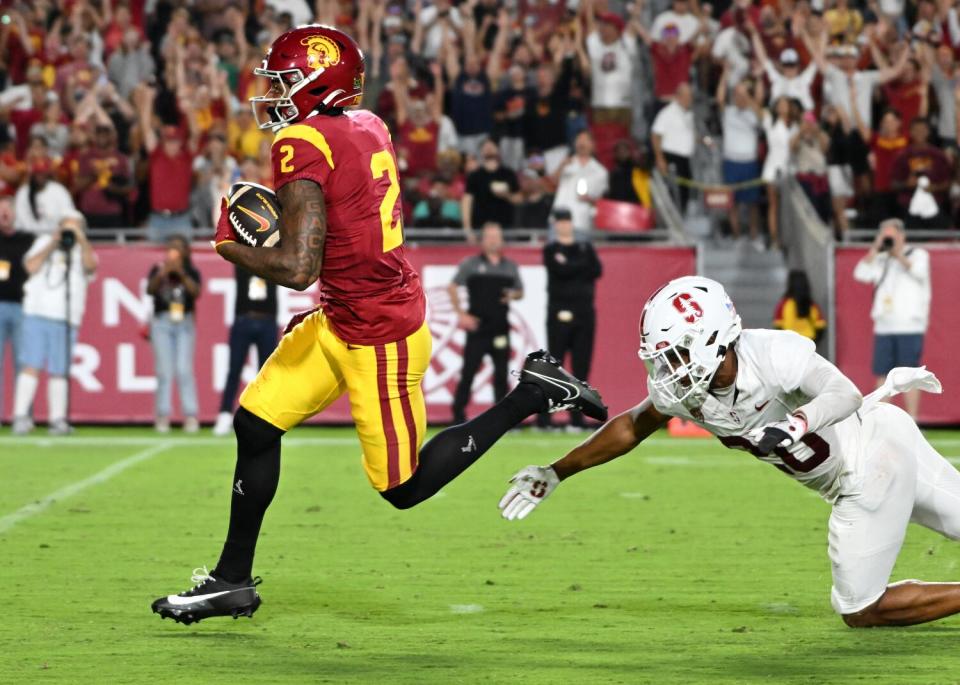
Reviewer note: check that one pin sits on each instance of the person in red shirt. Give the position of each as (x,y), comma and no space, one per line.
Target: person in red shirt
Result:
(339,223)
(671,61)
(170,172)
(78,75)
(918,160)
(104,181)
(886,144)
(418,127)
(908,95)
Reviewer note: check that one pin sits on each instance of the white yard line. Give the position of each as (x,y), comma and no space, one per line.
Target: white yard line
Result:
(38,507)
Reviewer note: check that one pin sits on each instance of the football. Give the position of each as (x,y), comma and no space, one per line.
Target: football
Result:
(254,212)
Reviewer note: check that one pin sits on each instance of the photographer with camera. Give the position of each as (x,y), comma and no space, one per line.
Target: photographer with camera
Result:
(60,265)
(900,276)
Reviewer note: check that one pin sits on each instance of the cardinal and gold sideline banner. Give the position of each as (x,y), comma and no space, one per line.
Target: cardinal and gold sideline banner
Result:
(113,371)
(941,348)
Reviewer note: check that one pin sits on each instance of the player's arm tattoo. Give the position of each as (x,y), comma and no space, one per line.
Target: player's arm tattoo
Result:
(298,260)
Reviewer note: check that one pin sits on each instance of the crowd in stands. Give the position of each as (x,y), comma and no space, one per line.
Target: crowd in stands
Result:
(136,113)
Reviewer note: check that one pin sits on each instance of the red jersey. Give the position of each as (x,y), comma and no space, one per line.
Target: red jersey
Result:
(370,292)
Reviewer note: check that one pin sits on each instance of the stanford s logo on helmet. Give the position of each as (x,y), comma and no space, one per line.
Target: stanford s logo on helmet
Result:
(312,69)
(686,328)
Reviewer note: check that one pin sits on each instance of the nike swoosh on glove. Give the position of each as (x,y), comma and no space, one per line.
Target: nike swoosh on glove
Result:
(780,434)
(531,486)
(225,232)
(297,318)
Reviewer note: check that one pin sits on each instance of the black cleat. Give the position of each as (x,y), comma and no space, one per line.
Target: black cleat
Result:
(211,596)
(563,390)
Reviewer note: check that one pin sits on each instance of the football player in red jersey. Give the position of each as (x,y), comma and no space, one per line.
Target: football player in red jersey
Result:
(335,174)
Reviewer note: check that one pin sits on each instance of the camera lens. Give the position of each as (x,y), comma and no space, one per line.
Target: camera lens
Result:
(886,244)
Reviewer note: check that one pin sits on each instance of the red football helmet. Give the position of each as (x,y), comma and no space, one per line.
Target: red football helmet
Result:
(312,69)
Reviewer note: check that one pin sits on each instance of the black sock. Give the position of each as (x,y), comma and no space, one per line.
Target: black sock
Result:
(451,451)
(254,485)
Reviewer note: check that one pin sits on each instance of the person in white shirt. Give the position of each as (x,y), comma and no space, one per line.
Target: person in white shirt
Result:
(740,120)
(49,329)
(612,49)
(900,276)
(732,48)
(680,15)
(431,20)
(837,77)
(770,394)
(674,139)
(786,79)
(41,202)
(581,181)
(780,128)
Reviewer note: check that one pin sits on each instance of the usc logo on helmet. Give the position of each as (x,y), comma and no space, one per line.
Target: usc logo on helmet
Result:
(321,52)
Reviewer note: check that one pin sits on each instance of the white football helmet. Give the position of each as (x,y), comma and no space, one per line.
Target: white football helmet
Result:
(685,330)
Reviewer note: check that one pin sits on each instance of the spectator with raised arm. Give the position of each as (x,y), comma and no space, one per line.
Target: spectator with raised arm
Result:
(780,124)
(418,127)
(548,107)
(786,77)
(169,171)
(471,92)
(612,47)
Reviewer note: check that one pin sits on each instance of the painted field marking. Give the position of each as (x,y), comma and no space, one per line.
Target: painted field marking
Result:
(466,608)
(27,511)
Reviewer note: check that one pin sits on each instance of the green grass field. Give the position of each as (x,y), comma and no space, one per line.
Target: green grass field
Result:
(683,562)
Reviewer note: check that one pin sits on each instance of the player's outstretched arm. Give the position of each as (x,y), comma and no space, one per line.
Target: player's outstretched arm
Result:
(533,484)
(297,261)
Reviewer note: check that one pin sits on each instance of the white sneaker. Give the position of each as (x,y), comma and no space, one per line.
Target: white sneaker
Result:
(224,423)
(191,425)
(162,424)
(22,425)
(60,427)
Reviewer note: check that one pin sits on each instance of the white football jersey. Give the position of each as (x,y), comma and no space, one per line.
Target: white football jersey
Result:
(771,368)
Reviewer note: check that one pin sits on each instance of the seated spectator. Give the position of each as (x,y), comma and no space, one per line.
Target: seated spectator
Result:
(491,193)
(674,139)
(104,181)
(886,144)
(41,203)
(438,209)
(630,176)
(808,148)
(740,124)
(796,311)
(534,210)
(919,160)
(581,180)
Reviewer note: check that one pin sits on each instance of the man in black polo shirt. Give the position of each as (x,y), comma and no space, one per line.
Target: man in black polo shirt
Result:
(254,323)
(491,193)
(572,271)
(13,247)
(491,281)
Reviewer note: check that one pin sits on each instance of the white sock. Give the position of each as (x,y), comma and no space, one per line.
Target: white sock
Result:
(23,394)
(56,399)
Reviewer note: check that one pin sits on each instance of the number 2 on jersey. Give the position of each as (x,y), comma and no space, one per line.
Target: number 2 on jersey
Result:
(382,163)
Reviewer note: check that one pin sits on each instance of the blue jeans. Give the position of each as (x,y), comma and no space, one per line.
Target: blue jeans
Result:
(246,331)
(11,321)
(174,343)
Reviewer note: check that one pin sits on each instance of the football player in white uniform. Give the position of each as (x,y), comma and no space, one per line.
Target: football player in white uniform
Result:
(769,393)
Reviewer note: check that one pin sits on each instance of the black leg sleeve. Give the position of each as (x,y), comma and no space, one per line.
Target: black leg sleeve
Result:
(254,485)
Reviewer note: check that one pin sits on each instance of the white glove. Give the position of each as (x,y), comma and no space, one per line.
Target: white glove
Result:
(531,486)
(780,434)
